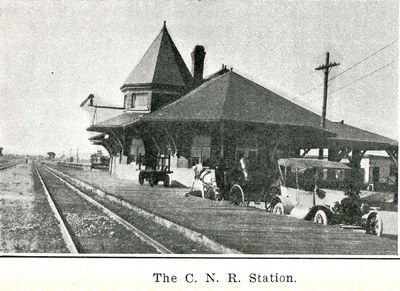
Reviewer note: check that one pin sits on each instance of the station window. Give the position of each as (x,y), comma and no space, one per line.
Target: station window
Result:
(200,155)
(247,148)
(200,151)
(133,100)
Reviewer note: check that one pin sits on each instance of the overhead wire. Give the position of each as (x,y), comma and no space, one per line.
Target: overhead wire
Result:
(349,68)
(352,82)
(362,77)
(366,58)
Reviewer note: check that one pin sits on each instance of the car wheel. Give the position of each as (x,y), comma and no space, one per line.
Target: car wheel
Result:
(278,208)
(152,181)
(269,196)
(320,217)
(374,225)
(236,196)
(141,179)
(166,181)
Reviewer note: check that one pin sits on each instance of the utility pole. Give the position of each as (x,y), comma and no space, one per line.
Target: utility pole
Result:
(326,68)
(77,155)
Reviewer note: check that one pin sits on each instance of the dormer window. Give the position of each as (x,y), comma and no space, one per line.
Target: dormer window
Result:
(137,101)
(127,101)
(141,101)
(133,98)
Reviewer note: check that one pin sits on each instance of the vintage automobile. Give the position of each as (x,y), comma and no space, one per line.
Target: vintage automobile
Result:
(323,191)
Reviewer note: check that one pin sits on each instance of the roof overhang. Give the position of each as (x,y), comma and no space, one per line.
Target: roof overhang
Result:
(118,122)
(359,144)
(348,136)
(154,86)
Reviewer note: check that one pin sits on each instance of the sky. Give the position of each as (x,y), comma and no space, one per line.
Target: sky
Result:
(53,54)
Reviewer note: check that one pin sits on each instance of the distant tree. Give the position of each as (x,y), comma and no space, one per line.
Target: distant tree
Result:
(1,151)
(51,155)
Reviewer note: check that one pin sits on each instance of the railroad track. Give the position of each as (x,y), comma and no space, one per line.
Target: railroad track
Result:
(88,226)
(3,167)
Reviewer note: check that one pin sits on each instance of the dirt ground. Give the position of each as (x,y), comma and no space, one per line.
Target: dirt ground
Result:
(27,224)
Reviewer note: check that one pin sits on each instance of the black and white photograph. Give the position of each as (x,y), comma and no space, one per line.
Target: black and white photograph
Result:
(197,133)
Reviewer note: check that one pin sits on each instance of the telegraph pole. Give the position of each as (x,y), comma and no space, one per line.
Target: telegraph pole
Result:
(326,68)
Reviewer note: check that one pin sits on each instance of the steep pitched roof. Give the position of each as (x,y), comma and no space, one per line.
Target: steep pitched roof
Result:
(353,136)
(161,64)
(232,97)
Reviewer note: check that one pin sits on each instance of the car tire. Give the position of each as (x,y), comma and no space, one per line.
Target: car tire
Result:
(141,179)
(374,225)
(152,181)
(166,181)
(278,209)
(269,195)
(320,217)
(236,196)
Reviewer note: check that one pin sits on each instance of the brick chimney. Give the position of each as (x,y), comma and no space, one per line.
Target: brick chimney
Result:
(198,56)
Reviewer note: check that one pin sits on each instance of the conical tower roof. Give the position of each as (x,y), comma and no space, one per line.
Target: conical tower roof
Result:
(162,64)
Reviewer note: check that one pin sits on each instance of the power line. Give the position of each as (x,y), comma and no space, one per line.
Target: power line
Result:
(362,77)
(356,64)
(338,89)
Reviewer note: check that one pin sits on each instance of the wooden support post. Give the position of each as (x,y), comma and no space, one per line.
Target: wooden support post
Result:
(356,158)
(222,133)
(343,153)
(393,154)
(118,142)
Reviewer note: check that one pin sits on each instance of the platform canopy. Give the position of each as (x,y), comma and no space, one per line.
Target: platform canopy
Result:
(119,121)
(356,138)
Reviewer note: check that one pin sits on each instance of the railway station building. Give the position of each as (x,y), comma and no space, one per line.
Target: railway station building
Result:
(214,120)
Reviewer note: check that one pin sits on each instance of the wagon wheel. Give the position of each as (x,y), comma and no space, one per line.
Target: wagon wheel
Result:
(141,179)
(166,181)
(374,225)
(236,196)
(269,195)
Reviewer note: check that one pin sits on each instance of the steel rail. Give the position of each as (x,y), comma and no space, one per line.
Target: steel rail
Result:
(144,237)
(69,242)
(8,166)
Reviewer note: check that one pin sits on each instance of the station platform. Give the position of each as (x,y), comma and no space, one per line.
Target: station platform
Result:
(247,229)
